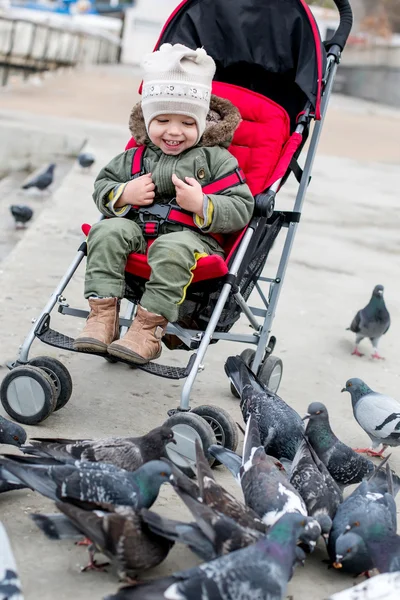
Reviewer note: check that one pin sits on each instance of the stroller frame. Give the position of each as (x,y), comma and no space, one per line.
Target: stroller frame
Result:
(261,337)
(34,388)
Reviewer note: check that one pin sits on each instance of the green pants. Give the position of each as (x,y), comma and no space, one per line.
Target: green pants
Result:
(172,258)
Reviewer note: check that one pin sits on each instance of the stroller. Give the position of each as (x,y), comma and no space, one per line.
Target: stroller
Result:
(272,65)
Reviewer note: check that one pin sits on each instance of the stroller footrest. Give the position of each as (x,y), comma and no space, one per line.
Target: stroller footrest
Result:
(59,340)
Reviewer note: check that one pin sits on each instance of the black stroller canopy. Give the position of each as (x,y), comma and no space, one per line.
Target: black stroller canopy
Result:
(269,46)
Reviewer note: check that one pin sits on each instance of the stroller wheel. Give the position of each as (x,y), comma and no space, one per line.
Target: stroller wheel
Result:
(28,395)
(59,375)
(189,427)
(247,357)
(270,373)
(222,424)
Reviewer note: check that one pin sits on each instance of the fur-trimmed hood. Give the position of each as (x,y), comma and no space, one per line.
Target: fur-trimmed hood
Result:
(222,120)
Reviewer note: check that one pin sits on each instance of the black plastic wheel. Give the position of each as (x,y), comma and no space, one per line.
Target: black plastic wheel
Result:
(59,375)
(222,424)
(248,357)
(270,373)
(28,394)
(187,427)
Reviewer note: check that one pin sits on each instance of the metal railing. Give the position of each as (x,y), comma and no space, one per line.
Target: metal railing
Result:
(29,47)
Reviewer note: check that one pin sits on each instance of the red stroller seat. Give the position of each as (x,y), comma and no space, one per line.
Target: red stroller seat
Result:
(257,145)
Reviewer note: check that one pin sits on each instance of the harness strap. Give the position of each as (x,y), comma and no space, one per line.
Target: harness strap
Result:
(177,214)
(236,177)
(137,161)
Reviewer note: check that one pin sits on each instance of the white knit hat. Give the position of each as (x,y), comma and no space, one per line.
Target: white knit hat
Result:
(177,80)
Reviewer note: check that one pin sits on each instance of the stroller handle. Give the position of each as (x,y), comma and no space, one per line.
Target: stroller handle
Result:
(346,22)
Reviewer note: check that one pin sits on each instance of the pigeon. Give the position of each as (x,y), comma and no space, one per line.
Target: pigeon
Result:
(11,433)
(10,585)
(377,414)
(127,453)
(372,322)
(22,214)
(90,484)
(43,180)
(381,587)
(375,496)
(343,463)
(281,428)
(261,570)
(381,541)
(265,487)
(86,160)
(223,524)
(118,533)
(321,494)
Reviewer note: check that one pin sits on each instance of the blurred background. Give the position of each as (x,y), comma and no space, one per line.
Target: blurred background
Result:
(40,35)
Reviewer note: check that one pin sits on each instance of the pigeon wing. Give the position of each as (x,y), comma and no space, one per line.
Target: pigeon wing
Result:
(355,324)
(378,415)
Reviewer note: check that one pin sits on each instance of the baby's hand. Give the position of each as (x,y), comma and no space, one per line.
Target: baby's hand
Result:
(189,195)
(138,192)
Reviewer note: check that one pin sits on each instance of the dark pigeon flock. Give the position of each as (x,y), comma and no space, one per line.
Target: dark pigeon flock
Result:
(293,472)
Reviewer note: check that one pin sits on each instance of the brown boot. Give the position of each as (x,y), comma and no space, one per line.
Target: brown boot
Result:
(102,326)
(142,342)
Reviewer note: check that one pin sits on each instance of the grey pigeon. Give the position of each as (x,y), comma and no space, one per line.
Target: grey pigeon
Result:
(118,533)
(374,496)
(124,452)
(343,463)
(372,321)
(11,433)
(281,428)
(352,554)
(321,494)
(265,486)
(86,160)
(382,542)
(91,484)
(381,587)
(22,215)
(10,585)
(43,180)
(377,414)
(261,571)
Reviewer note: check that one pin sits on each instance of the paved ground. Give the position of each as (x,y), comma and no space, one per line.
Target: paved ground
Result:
(347,242)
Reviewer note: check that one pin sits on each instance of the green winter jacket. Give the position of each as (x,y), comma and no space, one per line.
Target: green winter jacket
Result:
(209,160)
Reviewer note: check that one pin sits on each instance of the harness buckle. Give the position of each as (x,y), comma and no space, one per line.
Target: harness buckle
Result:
(239,174)
(150,228)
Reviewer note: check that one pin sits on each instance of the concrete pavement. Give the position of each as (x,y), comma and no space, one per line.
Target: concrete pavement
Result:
(347,242)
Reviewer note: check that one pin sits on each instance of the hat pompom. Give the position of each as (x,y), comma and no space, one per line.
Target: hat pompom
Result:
(202,56)
(165,48)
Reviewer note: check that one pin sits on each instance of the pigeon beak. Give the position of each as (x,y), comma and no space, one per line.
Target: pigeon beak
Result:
(337,565)
(343,389)
(307,416)
(326,537)
(173,441)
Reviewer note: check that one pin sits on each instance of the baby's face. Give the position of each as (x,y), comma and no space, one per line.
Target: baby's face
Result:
(173,133)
